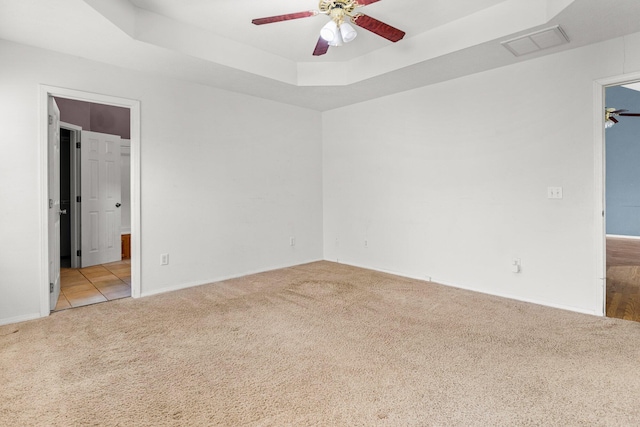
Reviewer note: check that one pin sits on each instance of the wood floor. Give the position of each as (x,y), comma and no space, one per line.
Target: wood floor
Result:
(91,285)
(623,278)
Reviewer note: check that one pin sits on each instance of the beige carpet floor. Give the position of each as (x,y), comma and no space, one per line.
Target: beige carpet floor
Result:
(320,344)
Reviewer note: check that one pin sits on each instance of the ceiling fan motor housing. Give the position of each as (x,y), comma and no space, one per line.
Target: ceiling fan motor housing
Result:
(337,9)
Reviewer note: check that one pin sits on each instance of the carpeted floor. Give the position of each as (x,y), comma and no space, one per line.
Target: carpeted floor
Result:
(320,344)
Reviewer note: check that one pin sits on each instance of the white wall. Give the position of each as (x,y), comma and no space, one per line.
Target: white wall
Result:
(447,181)
(450,181)
(226,178)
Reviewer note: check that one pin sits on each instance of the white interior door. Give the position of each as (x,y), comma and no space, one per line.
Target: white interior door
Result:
(100,198)
(53,154)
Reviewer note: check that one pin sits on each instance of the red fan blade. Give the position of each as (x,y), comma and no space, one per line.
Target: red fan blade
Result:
(280,18)
(613,119)
(321,47)
(378,27)
(366,2)
(629,114)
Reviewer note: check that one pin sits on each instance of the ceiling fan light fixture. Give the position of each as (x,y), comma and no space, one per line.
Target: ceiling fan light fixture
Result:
(329,31)
(337,40)
(608,124)
(348,32)
(336,31)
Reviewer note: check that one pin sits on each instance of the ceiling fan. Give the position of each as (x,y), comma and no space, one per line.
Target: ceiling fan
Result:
(610,113)
(337,31)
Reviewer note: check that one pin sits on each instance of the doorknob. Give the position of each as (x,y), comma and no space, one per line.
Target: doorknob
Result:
(118,205)
(62,212)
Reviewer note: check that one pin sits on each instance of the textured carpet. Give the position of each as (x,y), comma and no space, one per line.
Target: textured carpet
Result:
(320,344)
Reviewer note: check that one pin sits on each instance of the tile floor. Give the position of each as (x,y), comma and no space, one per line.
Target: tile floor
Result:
(91,285)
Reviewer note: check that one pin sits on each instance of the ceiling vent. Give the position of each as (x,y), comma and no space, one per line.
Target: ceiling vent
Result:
(534,42)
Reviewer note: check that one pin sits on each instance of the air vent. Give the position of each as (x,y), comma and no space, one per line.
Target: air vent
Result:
(534,42)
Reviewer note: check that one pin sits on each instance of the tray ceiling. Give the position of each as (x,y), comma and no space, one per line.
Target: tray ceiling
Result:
(214,42)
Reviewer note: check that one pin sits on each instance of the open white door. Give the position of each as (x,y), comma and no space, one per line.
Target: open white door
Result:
(100,198)
(53,154)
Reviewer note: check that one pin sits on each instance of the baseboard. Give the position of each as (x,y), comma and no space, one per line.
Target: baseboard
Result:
(529,300)
(495,294)
(19,319)
(621,236)
(220,279)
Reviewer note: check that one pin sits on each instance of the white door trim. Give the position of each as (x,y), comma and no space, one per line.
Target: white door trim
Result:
(600,240)
(134,107)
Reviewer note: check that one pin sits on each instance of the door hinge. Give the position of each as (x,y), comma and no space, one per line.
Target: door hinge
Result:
(78,199)
(50,119)
(78,144)
(79,252)
(50,288)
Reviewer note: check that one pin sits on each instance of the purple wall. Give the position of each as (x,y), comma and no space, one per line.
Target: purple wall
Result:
(96,117)
(75,112)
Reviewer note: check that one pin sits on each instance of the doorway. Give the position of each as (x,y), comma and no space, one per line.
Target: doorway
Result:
(622,201)
(94,181)
(46,94)
(86,280)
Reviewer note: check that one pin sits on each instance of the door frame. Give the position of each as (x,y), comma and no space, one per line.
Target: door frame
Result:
(134,107)
(599,87)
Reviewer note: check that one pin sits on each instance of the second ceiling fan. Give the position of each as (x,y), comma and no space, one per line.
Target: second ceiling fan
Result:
(338,31)
(610,113)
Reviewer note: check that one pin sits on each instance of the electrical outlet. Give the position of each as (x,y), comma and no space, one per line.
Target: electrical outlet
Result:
(554,192)
(366,243)
(292,241)
(164,259)
(516,265)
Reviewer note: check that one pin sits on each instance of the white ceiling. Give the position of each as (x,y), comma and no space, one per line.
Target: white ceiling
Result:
(213,42)
(633,86)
